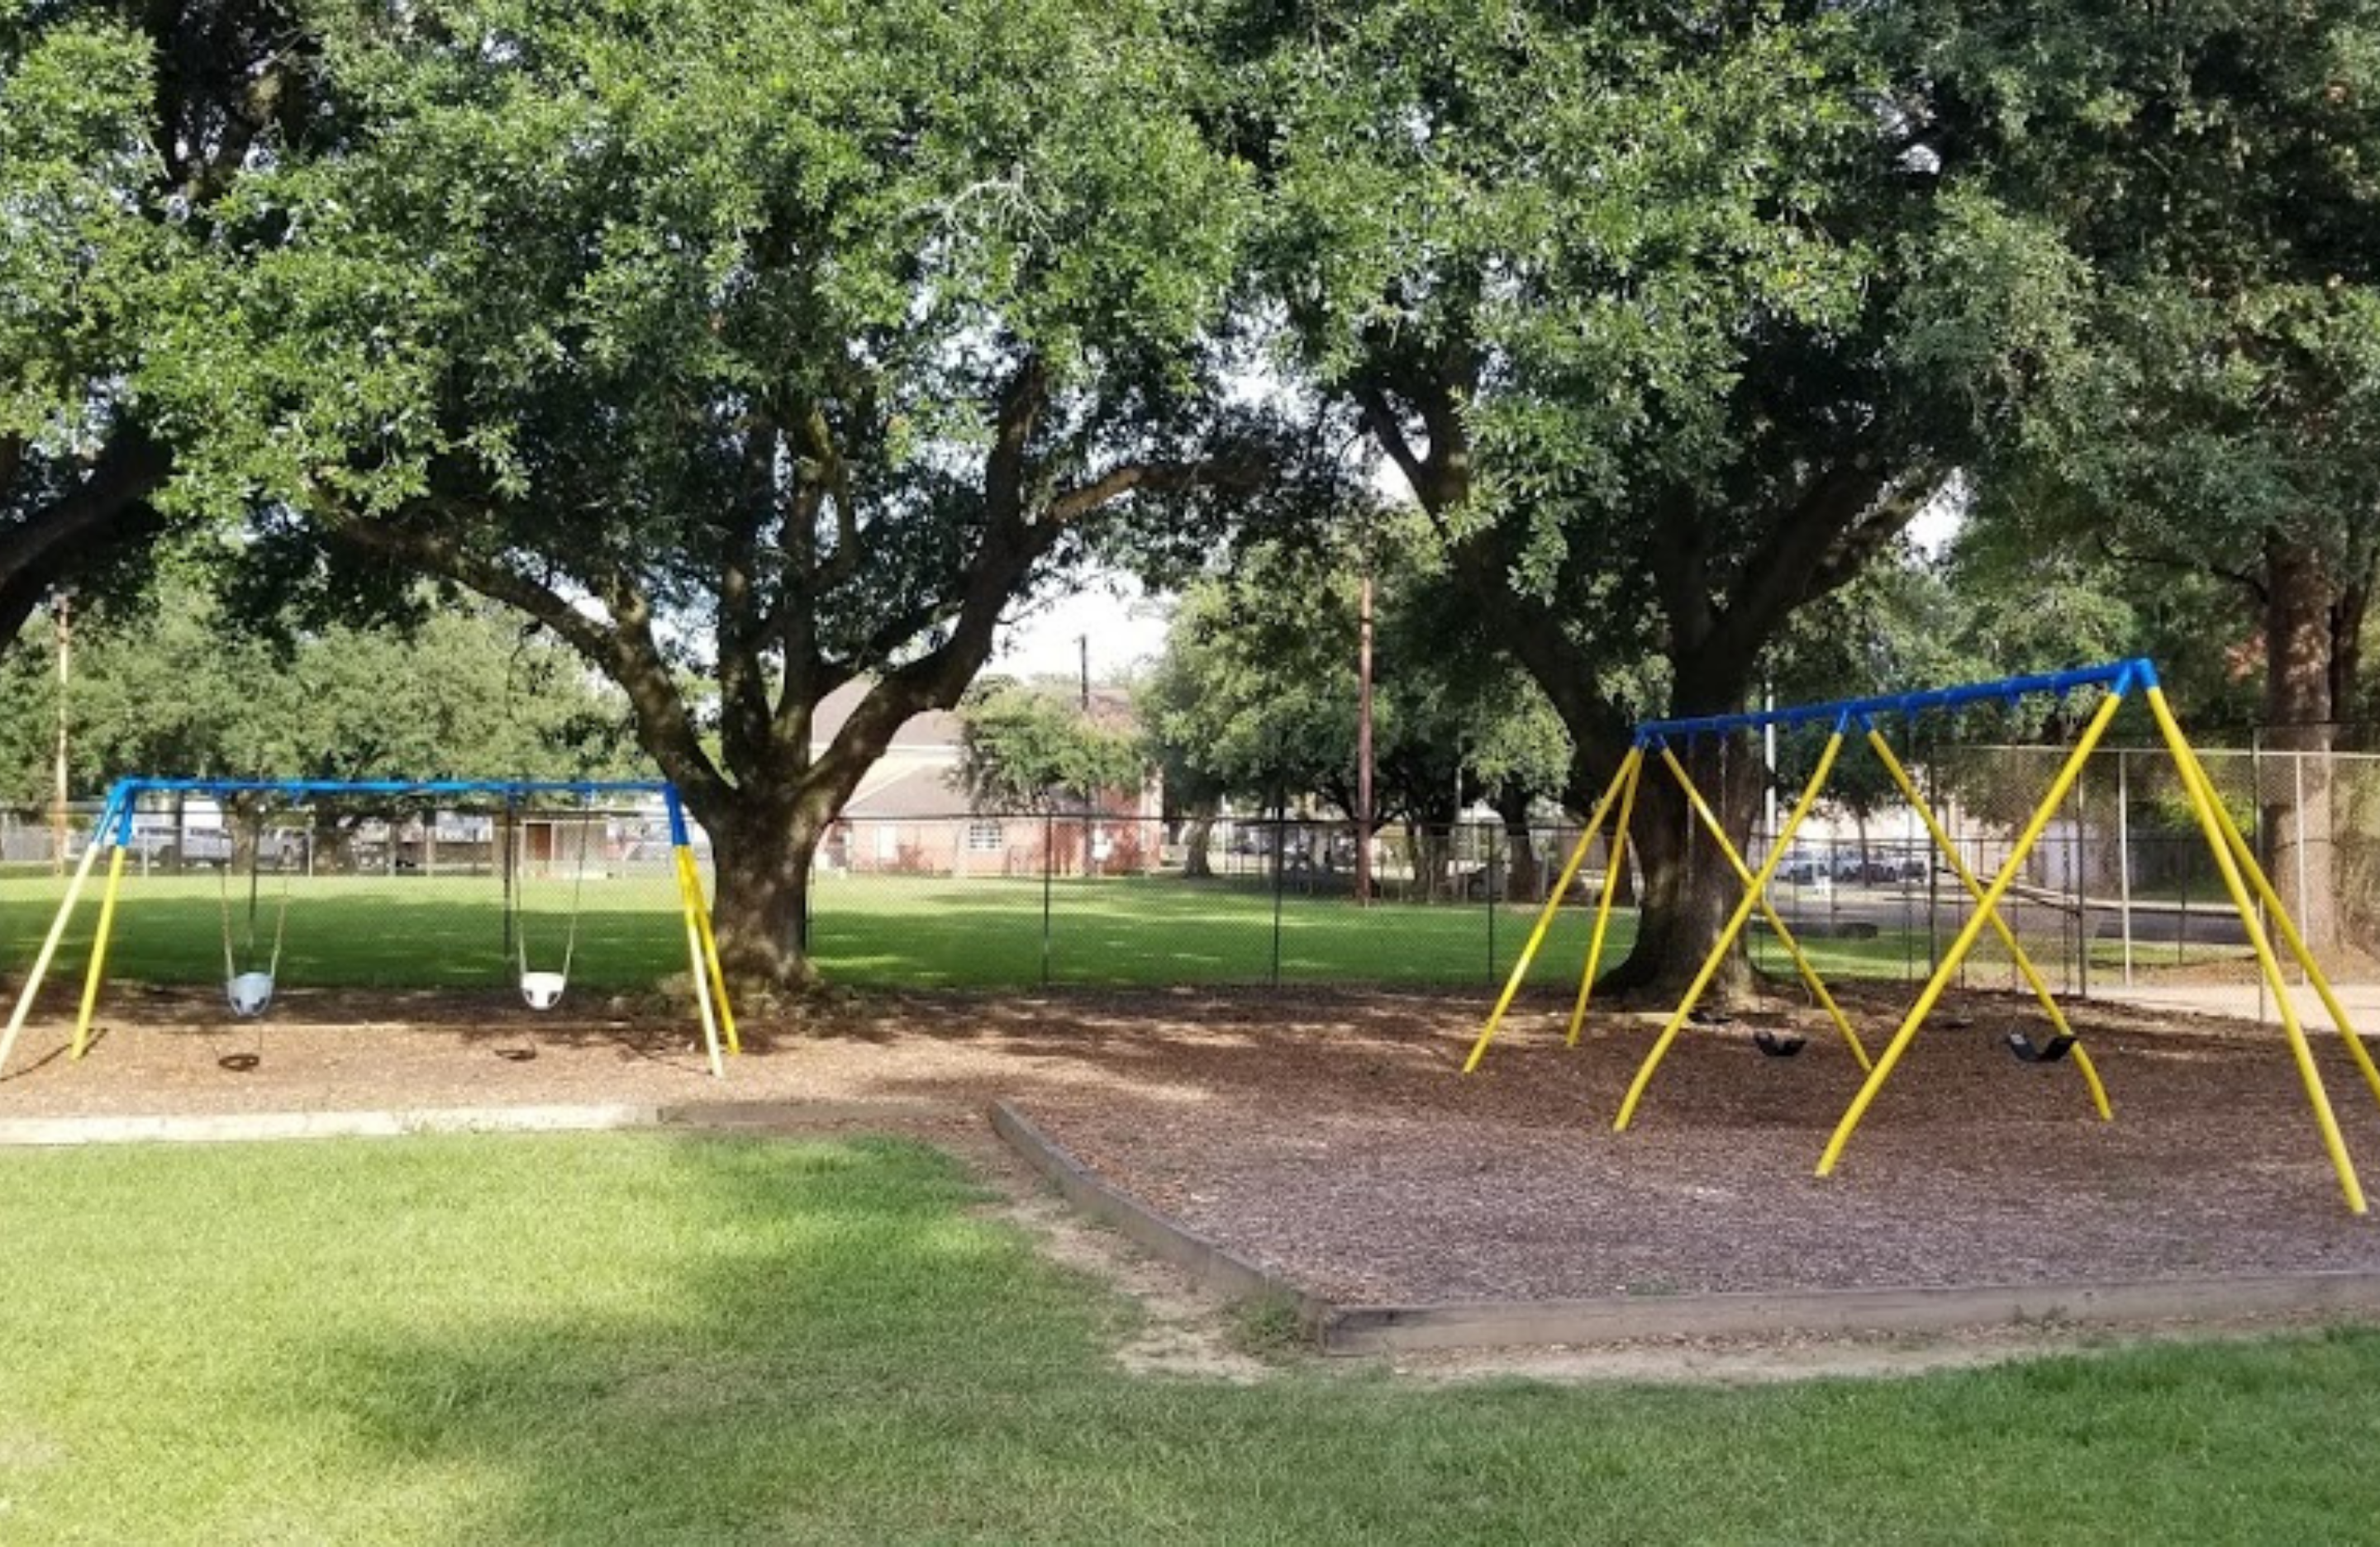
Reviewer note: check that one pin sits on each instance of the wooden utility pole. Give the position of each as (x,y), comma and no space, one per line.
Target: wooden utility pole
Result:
(1364,748)
(61,615)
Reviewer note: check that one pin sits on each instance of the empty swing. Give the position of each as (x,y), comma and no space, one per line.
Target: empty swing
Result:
(543,991)
(249,988)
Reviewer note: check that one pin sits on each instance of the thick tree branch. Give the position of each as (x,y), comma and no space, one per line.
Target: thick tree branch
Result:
(1777,576)
(1387,429)
(130,469)
(624,649)
(2250,581)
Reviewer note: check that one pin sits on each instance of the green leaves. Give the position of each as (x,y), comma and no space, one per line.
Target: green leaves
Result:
(78,260)
(1024,748)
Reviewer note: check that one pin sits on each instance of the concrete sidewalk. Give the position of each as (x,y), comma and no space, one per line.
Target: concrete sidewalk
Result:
(2247,1001)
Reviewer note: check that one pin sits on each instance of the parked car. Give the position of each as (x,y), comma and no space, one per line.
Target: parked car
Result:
(157,843)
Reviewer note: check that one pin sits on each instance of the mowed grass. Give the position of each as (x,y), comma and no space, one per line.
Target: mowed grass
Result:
(890,931)
(644,1339)
(448,932)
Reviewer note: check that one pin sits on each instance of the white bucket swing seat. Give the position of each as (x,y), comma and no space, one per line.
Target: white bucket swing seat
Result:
(541,990)
(249,988)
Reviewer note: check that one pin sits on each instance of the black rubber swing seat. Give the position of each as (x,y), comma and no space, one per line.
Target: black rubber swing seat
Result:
(2049,1051)
(1776,1045)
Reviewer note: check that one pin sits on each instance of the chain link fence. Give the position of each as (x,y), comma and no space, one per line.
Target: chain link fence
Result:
(2122,894)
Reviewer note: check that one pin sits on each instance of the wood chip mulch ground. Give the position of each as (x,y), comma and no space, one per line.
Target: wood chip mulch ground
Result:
(1329,1134)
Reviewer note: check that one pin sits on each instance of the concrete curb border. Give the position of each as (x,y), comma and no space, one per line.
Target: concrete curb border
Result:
(1210,1265)
(243,1127)
(239,1128)
(1377,1329)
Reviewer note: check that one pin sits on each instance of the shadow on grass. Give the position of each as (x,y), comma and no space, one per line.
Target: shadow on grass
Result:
(641,1339)
(836,1352)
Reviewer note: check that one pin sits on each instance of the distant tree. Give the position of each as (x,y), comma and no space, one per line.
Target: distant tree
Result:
(172,686)
(1256,693)
(1033,748)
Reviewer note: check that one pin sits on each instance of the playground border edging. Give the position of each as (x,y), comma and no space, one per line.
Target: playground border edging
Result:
(1212,1266)
(1379,1329)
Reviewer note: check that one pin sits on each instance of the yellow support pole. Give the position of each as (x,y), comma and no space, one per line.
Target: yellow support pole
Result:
(1614,867)
(1965,941)
(2254,872)
(25,995)
(1553,905)
(98,953)
(686,904)
(1950,851)
(1784,936)
(718,976)
(1755,889)
(2205,806)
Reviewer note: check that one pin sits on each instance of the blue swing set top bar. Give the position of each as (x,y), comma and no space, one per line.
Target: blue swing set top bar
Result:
(125,794)
(2117,676)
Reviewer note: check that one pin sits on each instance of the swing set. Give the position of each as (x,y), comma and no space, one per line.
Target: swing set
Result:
(2243,879)
(250,977)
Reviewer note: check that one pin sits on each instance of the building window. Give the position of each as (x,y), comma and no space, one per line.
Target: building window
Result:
(985,837)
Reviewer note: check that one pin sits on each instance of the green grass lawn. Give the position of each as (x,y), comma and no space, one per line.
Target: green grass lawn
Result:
(643,1339)
(448,932)
(872,932)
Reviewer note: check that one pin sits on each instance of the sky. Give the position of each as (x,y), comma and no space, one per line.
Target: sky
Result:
(1126,628)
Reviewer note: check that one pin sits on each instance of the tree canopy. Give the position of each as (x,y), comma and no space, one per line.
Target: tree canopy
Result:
(776,346)
(121,127)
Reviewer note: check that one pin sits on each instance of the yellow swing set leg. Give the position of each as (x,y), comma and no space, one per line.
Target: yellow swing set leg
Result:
(25,995)
(1628,766)
(1965,941)
(2255,874)
(98,953)
(1785,937)
(1755,893)
(1949,852)
(1614,868)
(2211,821)
(689,892)
(718,976)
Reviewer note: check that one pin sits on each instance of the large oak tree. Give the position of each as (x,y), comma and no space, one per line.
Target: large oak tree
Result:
(766,346)
(1625,294)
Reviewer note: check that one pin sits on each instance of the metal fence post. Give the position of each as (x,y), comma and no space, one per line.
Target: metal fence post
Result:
(2330,777)
(2261,839)
(1279,875)
(2124,854)
(1049,866)
(1488,891)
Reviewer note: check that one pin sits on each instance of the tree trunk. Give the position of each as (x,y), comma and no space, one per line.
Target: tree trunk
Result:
(2295,794)
(1521,861)
(1689,888)
(1197,864)
(762,855)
